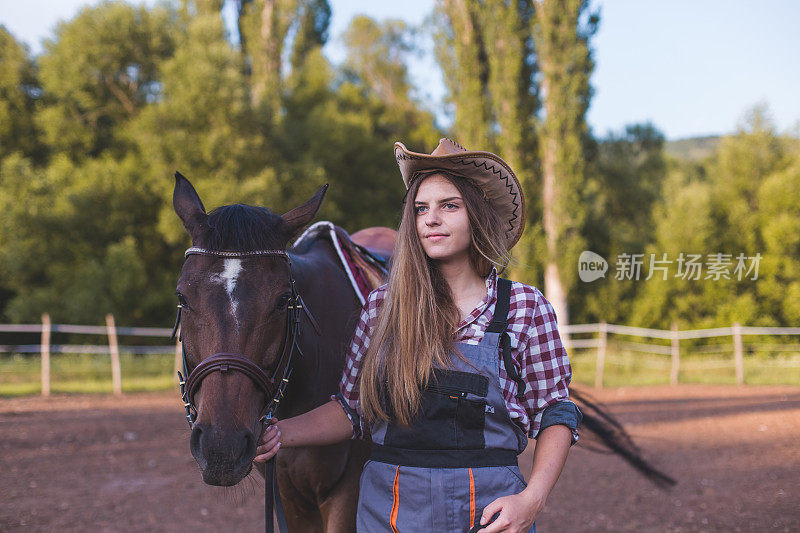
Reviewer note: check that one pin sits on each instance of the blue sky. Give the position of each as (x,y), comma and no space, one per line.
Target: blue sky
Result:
(692,67)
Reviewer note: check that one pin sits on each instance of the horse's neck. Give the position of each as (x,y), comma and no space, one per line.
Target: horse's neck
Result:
(332,301)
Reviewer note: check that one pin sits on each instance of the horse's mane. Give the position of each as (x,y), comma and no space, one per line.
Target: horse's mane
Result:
(245,228)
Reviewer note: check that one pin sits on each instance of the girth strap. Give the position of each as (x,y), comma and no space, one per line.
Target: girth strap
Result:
(499,324)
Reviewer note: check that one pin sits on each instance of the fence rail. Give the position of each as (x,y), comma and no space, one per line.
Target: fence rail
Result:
(599,343)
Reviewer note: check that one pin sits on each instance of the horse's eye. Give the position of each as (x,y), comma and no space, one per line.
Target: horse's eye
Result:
(283,301)
(182,300)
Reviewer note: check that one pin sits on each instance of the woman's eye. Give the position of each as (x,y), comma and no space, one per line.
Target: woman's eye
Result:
(419,209)
(450,206)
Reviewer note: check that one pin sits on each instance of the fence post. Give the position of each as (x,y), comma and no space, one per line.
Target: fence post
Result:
(601,355)
(676,355)
(738,350)
(113,346)
(46,328)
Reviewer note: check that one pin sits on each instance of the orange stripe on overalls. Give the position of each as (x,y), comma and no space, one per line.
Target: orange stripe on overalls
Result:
(471,500)
(395,500)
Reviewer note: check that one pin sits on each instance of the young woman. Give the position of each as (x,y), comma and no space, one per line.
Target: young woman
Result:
(451,367)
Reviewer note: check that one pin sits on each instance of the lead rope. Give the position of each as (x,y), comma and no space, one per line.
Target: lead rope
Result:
(272,497)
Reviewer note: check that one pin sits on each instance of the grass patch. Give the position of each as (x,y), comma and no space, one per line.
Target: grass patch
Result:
(91,373)
(85,373)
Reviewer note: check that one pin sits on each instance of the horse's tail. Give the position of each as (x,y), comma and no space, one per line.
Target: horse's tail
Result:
(599,421)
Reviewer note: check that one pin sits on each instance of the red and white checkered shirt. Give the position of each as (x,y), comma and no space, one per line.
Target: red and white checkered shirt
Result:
(536,349)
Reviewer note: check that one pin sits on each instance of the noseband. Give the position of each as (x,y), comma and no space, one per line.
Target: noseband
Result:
(224,362)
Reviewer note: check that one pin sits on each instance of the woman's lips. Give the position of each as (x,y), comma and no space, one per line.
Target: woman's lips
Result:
(436,238)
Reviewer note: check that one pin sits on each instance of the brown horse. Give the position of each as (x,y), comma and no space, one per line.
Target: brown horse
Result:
(234,307)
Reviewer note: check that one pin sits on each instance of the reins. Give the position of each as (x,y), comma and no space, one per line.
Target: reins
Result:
(273,388)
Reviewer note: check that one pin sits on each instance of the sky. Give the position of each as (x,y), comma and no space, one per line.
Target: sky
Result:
(691,67)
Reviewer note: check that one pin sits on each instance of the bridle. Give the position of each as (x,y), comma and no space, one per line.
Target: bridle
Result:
(223,362)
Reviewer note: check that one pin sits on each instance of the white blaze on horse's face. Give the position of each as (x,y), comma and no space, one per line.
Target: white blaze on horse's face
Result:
(230,272)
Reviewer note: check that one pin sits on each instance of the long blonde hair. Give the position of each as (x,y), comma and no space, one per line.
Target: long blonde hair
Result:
(418,318)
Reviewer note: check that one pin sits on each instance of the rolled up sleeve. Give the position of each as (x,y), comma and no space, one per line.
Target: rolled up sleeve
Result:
(547,371)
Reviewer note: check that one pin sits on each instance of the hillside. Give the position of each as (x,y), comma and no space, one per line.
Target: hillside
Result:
(693,148)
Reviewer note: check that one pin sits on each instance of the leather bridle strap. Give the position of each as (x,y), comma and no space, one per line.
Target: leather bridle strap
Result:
(223,362)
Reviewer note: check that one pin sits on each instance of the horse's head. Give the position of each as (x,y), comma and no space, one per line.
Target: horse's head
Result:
(234,305)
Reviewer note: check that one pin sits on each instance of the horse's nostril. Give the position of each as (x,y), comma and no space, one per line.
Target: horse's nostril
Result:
(248,447)
(195,441)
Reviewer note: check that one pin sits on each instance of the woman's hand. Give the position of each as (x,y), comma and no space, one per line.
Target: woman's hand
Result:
(269,443)
(517,512)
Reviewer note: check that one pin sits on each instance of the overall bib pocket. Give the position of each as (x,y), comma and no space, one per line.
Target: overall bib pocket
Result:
(452,415)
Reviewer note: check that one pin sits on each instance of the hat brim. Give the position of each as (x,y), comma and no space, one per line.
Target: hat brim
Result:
(489,171)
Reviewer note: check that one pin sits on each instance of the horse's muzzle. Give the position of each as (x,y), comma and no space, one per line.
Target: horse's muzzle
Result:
(224,457)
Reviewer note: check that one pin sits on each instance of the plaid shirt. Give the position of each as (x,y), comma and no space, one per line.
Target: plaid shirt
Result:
(536,350)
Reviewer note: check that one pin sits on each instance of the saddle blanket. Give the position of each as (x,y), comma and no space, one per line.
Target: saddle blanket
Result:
(364,270)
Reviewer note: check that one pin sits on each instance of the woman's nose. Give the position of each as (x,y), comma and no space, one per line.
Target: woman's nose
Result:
(432,218)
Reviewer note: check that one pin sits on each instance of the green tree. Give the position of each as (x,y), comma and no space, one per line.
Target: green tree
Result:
(562,30)
(743,200)
(203,125)
(338,128)
(79,242)
(624,181)
(270,26)
(19,90)
(99,72)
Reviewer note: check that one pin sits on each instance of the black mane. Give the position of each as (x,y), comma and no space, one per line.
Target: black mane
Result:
(245,228)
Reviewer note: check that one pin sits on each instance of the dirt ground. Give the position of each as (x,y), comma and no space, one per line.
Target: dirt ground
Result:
(95,463)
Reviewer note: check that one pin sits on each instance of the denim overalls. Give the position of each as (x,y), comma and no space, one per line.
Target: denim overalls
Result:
(458,456)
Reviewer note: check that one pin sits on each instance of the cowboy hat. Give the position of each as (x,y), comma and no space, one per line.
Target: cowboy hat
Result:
(488,171)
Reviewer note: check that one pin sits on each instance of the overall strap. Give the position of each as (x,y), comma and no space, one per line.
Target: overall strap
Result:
(499,324)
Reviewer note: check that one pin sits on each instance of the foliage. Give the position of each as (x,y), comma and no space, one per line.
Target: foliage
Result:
(19,89)
(99,72)
(122,97)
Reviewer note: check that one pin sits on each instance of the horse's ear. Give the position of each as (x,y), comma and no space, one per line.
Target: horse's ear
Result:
(300,216)
(189,208)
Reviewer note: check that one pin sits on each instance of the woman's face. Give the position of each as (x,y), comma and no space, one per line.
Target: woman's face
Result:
(442,221)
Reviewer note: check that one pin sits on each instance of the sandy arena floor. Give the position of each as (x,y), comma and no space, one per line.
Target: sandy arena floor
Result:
(95,463)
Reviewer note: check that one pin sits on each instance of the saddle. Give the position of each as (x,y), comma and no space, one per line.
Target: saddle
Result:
(365,255)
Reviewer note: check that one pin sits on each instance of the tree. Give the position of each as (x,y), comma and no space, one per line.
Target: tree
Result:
(743,200)
(624,182)
(267,26)
(99,72)
(561,33)
(79,242)
(340,127)
(19,96)
(203,125)
(376,55)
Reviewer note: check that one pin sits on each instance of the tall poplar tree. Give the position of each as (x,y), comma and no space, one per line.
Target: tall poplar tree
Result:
(562,29)
(266,28)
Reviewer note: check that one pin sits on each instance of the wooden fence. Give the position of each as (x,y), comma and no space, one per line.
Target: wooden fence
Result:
(110,330)
(602,330)
(598,342)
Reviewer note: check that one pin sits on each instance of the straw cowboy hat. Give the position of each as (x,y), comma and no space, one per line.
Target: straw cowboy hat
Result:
(492,174)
